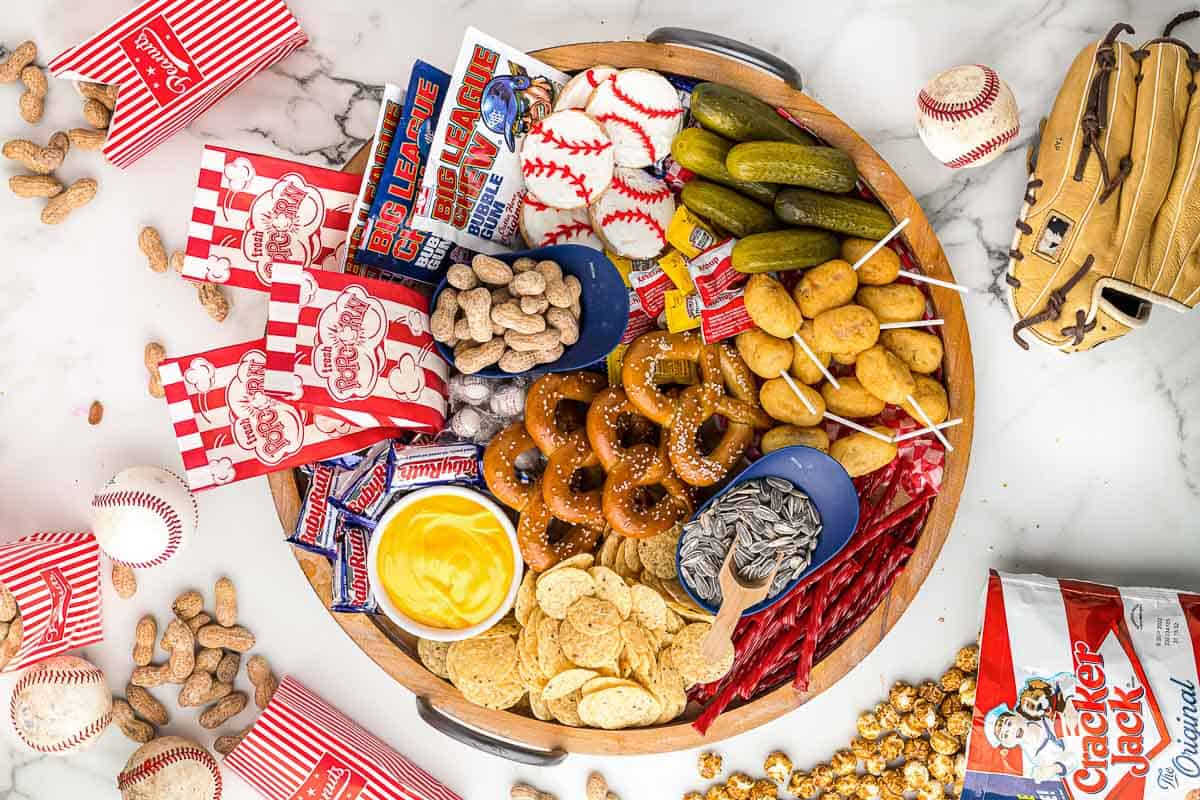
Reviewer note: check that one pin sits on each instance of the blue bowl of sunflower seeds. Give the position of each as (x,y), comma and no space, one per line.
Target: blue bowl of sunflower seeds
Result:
(795,506)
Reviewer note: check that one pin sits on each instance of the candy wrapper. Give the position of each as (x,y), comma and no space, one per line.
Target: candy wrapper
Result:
(55,580)
(171,68)
(390,243)
(316,529)
(1085,691)
(229,429)
(252,211)
(390,110)
(347,342)
(471,191)
(301,747)
(351,592)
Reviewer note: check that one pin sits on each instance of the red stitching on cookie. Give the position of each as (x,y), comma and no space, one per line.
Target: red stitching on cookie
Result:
(634,126)
(642,195)
(950,112)
(538,205)
(635,215)
(640,107)
(568,230)
(979,151)
(576,147)
(164,759)
(590,75)
(536,167)
(44,675)
(155,505)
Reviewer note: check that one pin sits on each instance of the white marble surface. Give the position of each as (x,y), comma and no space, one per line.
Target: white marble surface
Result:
(1088,466)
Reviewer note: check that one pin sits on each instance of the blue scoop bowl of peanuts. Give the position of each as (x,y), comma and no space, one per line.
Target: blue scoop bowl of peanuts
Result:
(795,506)
(548,318)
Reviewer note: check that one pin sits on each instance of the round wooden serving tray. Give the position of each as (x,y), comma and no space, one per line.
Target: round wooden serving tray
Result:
(523,738)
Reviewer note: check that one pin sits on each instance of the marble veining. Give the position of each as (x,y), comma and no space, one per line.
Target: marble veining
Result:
(1085,466)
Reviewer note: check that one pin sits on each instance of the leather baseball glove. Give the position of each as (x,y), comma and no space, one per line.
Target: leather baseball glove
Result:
(1110,226)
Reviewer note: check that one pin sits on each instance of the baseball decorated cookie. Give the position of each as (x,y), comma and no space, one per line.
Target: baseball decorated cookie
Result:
(170,768)
(578,90)
(543,225)
(567,160)
(632,216)
(641,112)
(967,116)
(60,705)
(144,516)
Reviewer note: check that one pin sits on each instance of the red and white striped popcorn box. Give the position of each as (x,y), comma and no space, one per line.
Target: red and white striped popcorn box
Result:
(301,747)
(55,579)
(349,342)
(229,429)
(175,59)
(252,211)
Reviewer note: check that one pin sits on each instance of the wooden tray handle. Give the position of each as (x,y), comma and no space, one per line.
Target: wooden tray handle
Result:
(723,45)
(481,741)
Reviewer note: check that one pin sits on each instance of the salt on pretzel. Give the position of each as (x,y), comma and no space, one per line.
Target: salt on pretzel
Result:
(641,363)
(625,494)
(547,423)
(564,500)
(499,470)
(534,535)
(614,425)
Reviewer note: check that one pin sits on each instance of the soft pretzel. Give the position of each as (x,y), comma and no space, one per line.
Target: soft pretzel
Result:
(563,499)
(641,364)
(625,494)
(696,405)
(545,421)
(533,535)
(613,425)
(499,471)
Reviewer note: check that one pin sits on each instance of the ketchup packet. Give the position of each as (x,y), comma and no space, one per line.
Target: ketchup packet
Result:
(651,285)
(472,189)
(712,272)
(390,242)
(229,429)
(1085,691)
(346,342)
(390,110)
(726,316)
(252,211)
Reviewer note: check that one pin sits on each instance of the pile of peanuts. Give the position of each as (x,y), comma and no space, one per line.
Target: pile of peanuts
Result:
(595,788)
(99,102)
(911,742)
(210,295)
(516,317)
(204,655)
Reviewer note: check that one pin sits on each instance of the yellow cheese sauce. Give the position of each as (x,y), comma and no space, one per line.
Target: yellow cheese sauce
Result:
(445,561)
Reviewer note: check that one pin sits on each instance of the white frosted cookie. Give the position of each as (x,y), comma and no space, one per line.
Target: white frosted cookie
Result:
(640,112)
(632,216)
(578,90)
(543,225)
(567,160)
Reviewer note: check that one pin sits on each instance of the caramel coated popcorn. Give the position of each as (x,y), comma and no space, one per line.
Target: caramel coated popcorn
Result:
(709,765)
(902,696)
(777,766)
(968,658)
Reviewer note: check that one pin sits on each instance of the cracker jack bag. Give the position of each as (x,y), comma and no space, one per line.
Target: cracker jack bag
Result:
(1085,691)
(390,243)
(471,191)
(251,211)
(229,429)
(390,110)
(354,344)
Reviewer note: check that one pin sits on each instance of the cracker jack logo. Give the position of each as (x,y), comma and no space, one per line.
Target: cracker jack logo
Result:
(60,597)
(284,225)
(348,352)
(161,61)
(330,779)
(261,425)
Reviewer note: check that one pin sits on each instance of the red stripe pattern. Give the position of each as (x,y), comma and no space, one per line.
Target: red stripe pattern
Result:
(302,747)
(55,579)
(174,59)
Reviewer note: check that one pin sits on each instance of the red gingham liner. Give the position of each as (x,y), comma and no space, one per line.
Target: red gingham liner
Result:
(228,429)
(251,211)
(923,456)
(174,59)
(55,579)
(301,748)
(349,342)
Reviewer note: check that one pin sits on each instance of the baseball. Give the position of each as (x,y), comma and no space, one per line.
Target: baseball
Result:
(60,705)
(170,768)
(144,516)
(967,116)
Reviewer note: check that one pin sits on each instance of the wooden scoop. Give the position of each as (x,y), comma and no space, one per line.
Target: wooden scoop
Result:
(736,597)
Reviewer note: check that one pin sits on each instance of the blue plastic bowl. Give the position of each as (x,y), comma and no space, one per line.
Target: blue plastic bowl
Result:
(605,304)
(829,487)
